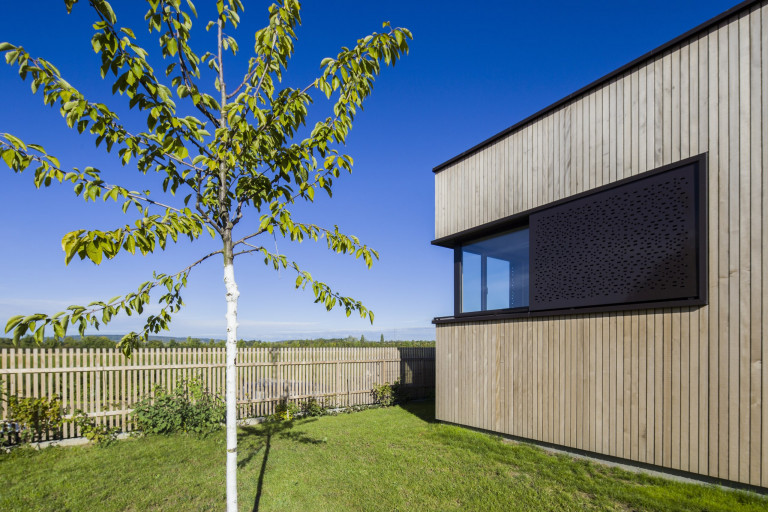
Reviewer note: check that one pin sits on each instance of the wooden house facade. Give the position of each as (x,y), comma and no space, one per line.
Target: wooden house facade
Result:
(611,263)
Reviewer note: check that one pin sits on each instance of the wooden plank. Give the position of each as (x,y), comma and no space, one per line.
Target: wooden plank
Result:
(589,324)
(675,393)
(764,248)
(597,336)
(650,390)
(658,386)
(710,90)
(733,253)
(557,388)
(620,342)
(693,395)
(539,380)
(671,138)
(667,417)
(642,386)
(753,185)
(661,106)
(580,402)
(635,387)
(742,227)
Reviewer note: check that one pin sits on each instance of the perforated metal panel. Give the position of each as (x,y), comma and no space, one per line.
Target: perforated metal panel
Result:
(632,243)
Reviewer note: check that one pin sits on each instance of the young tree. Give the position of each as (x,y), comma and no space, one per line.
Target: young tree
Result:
(241,154)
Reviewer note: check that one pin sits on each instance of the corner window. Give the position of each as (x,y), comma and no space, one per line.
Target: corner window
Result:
(494,272)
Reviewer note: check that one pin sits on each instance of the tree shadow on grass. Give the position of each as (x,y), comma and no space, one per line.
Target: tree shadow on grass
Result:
(253,438)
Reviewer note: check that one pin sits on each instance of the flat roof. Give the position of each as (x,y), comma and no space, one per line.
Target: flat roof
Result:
(600,81)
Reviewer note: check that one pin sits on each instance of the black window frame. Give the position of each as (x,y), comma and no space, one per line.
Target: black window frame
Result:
(519,220)
(458,276)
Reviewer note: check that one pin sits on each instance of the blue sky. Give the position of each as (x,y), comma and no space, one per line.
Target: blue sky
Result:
(473,70)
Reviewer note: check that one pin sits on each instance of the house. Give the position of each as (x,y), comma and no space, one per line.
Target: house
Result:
(611,263)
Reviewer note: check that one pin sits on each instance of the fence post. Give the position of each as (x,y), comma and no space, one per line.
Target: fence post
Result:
(336,384)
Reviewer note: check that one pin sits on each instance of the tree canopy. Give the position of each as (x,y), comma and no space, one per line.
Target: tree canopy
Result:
(246,153)
(246,149)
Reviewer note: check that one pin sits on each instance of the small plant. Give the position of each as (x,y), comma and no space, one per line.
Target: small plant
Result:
(190,407)
(312,407)
(101,435)
(382,394)
(285,411)
(388,394)
(30,419)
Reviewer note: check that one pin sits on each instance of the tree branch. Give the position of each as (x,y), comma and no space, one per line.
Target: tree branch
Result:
(185,74)
(248,237)
(246,79)
(224,220)
(61,175)
(248,251)
(108,26)
(199,204)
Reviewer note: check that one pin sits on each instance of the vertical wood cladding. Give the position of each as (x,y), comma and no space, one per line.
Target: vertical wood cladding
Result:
(683,388)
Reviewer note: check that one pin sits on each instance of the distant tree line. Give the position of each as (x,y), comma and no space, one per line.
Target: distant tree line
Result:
(189,342)
(349,341)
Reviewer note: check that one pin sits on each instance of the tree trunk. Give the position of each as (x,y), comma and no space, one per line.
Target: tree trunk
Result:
(231,377)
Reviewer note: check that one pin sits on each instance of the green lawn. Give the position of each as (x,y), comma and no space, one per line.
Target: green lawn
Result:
(381,459)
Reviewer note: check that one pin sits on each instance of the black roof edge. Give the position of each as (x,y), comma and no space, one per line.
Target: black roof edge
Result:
(736,9)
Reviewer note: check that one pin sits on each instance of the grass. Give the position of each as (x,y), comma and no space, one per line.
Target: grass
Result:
(383,459)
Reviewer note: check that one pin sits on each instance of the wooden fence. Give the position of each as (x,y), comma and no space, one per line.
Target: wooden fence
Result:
(105,384)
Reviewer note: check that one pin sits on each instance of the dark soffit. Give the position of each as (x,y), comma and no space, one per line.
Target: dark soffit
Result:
(600,81)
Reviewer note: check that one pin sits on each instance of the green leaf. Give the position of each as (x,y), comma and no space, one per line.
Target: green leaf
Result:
(58,330)
(94,253)
(13,322)
(192,7)
(40,334)
(8,157)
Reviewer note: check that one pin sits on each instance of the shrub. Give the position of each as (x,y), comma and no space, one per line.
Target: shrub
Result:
(388,394)
(285,411)
(101,435)
(190,407)
(30,419)
(312,407)
(382,394)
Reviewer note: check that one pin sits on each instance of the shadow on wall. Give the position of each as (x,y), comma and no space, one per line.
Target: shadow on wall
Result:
(417,373)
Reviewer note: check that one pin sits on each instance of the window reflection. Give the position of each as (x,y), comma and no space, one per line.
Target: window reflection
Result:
(495,272)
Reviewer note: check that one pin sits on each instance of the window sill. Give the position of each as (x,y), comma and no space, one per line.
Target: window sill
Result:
(514,314)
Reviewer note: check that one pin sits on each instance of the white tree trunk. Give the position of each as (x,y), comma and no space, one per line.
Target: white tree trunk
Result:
(231,395)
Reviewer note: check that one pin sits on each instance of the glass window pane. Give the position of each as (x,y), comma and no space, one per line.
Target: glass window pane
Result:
(498,284)
(470,282)
(495,272)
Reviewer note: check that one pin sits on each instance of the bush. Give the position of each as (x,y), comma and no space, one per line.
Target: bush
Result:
(312,407)
(188,408)
(388,394)
(30,419)
(382,394)
(284,411)
(101,435)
